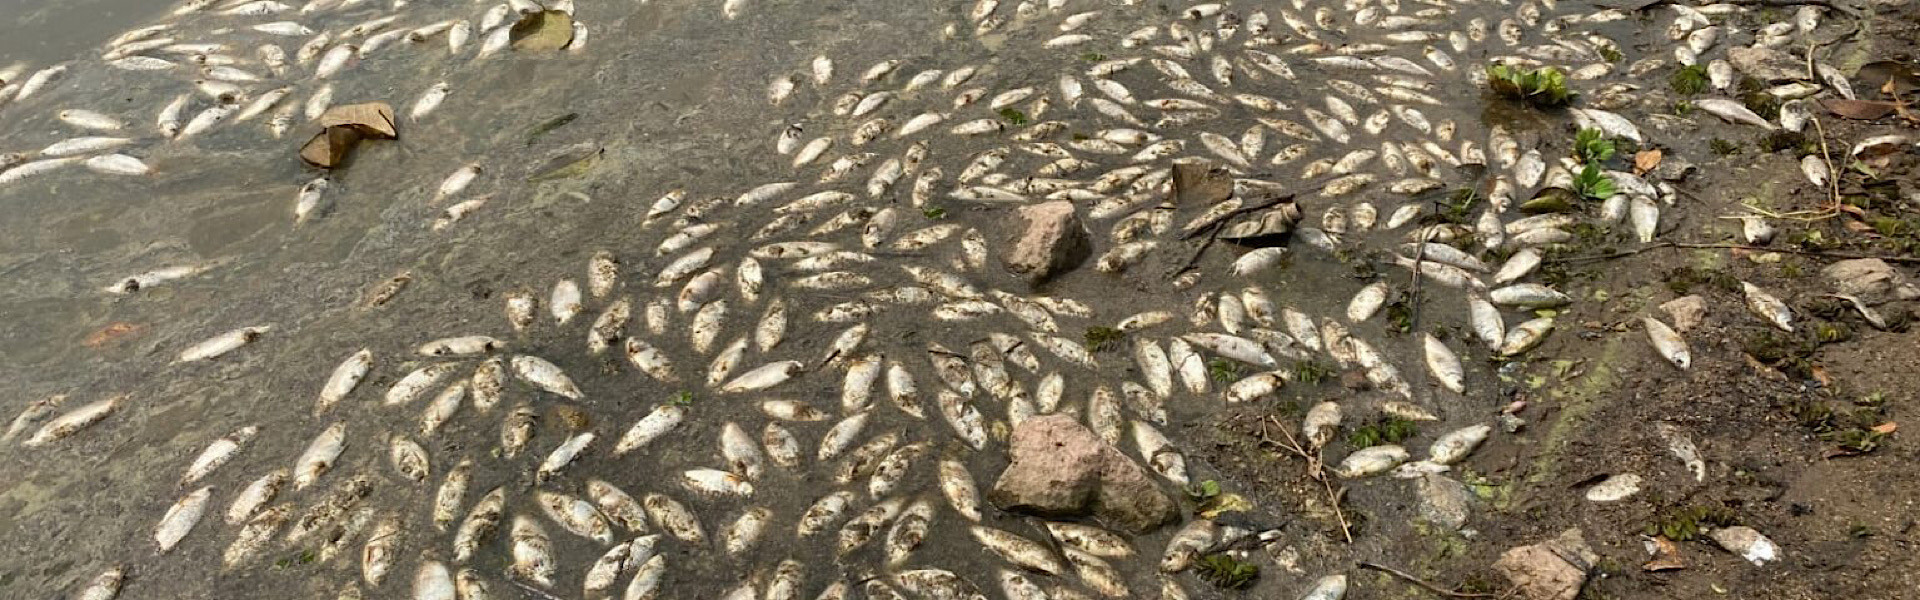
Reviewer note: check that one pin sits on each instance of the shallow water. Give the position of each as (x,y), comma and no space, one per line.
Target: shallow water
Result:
(676,96)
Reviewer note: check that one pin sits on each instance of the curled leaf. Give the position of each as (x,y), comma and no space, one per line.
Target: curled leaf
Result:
(372,119)
(1646,161)
(1858,109)
(542,31)
(329,148)
(1225,503)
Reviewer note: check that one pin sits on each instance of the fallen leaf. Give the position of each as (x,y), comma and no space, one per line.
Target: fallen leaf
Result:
(1200,184)
(567,162)
(111,333)
(1226,503)
(1886,428)
(1645,161)
(1666,556)
(371,119)
(550,30)
(1858,109)
(1891,77)
(1861,228)
(329,148)
(1820,375)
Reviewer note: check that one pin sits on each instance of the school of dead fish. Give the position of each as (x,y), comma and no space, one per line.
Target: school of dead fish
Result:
(832,251)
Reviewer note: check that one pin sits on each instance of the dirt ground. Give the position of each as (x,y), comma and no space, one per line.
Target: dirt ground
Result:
(1803,434)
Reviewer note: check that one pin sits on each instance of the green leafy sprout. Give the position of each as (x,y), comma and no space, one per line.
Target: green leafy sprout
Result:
(1593,184)
(1310,373)
(1223,370)
(1102,339)
(1013,116)
(1545,87)
(1592,145)
(1689,80)
(681,398)
(1390,430)
(1223,570)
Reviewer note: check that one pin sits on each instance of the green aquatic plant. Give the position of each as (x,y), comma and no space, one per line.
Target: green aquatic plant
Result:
(1689,80)
(1390,430)
(1545,87)
(1593,184)
(1014,117)
(1102,339)
(1310,373)
(1592,145)
(1223,370)
(1691,523)
(1223,570)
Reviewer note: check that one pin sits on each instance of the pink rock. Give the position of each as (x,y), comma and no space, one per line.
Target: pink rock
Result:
(1049,240)
(1062,469)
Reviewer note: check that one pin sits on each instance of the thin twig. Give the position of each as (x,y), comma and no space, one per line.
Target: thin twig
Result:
(1213,232)
(1423,583)
(532,590)
(1847,10)
(1316,469)
(1826,155)
(1693,246)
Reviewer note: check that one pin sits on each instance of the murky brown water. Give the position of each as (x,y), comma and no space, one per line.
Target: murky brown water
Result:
(676,96)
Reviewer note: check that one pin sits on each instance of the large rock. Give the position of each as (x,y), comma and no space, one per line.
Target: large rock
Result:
(1061,469)
(1443,501)
(1687,311)
(1871,279)
(1766,64)
(1049,240)
(1555,569)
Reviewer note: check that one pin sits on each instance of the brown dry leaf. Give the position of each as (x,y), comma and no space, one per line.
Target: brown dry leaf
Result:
(1820,375)
(111,333)
(1891,77)
(1866,110)
(550,30)
(1886,428)
(1862,228)
(329,148)
(372,119)
(1646,160)
(1761,369)
(1666,556)
(1200,184)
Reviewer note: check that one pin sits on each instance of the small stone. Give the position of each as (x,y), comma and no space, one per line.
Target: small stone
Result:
(1766,64)
(1687,311)
(1048,241)
(1548,570)
(1061,469)
(1615,488)
(1748,543)
(1443,501)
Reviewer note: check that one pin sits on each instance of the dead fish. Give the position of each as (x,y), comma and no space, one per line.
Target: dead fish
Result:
(1732,112)
(73,421)
(1371,460)
(1767,307)
(532,552)
(1444,365)
(545,375)
(221,344)
(218,453)
(1018,550)
(1669,343)
(180,518)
